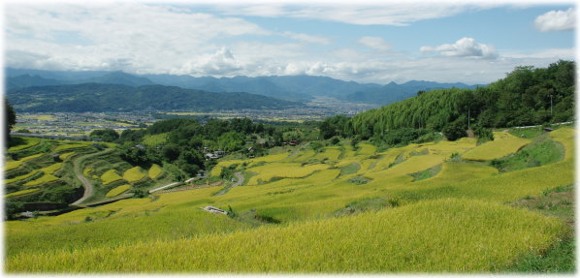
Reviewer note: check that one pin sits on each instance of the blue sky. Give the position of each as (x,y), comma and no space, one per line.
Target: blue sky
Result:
(378,42)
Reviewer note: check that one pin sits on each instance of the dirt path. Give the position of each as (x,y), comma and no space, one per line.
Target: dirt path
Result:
(77,166)
(239,180)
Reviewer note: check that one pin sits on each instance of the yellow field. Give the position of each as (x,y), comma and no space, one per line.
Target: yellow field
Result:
(21,193)
(155,171)
(110,176)
(23,177)
(52,168)
(29,142)
(12,164)
(283,170)
(435,236)
(134,174)
(65,156)
(454,221)
(46,178)
(502,145)
(118,190)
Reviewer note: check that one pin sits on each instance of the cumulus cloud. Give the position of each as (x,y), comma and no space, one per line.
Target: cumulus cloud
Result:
(556,20)
(142,38)
(464,47)
(221,63)
(376,43)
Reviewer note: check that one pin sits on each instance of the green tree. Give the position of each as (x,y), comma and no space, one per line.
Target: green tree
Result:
(10,118)
(107,135)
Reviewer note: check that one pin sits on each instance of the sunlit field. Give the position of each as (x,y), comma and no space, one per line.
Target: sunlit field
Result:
(413,209)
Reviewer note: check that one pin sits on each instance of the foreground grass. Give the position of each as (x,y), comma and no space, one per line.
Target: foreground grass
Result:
(448,235)
(560,257)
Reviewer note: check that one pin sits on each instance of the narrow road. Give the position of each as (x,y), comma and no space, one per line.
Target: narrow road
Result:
(77,166)
(239,180)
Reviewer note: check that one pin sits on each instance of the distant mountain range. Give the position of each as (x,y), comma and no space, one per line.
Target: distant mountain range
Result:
(94,97)
(299,88)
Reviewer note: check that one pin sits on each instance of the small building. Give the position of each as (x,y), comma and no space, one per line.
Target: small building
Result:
(215,210)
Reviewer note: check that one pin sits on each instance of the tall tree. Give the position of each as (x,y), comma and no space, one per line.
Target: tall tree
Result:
(10,120)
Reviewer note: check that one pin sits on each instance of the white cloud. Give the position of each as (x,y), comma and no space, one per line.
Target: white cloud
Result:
(556,20)
(147,38)
(464,47)
(221,63)
(376,43)
(397,13)
(307,38)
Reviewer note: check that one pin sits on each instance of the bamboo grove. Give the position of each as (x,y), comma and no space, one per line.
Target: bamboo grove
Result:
(526,96)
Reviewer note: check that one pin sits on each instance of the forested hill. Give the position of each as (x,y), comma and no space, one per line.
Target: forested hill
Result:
(526,96)
(92,97)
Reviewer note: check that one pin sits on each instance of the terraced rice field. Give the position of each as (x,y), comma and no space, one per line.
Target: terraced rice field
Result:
(300,217)
(503,144)
(110,176)
(118,190)
(134,174)
(155,171)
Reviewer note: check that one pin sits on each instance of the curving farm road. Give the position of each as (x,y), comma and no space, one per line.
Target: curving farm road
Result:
(77,166)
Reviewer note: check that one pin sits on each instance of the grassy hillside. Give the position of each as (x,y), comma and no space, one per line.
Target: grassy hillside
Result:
(417,208)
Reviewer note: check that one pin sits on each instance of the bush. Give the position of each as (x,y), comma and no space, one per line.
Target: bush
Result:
(483,134)
(454,131)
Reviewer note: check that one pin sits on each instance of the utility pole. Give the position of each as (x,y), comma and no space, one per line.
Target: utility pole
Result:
(469,118)
(551,106)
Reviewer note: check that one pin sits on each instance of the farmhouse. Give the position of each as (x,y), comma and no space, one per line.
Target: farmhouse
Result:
(215,155)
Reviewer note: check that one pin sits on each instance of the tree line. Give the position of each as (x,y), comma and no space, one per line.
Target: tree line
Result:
(526,96)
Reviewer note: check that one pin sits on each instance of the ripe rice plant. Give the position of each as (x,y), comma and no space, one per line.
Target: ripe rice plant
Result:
(23,177)
(12,164)
(29,142)
(155,171)
(135,174)
(72,145)
(503,144)
(65,156)
(21,193)
(52,168)
(118,190)
(366,149)
(32,157)
(44,179)
(283,170)
(110,176)
(442,236)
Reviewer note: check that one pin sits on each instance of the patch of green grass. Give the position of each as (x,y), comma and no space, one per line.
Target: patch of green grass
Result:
(560,257)
(425,174)
(349,169)
(366,204)
(155,140)
(541,151)
(527,133)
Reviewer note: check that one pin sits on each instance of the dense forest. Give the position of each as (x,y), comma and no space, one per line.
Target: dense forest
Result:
(526,96)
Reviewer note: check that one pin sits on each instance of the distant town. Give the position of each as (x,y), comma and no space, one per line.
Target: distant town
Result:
(81,124)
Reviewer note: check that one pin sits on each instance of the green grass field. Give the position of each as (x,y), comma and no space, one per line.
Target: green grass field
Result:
(337,211)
